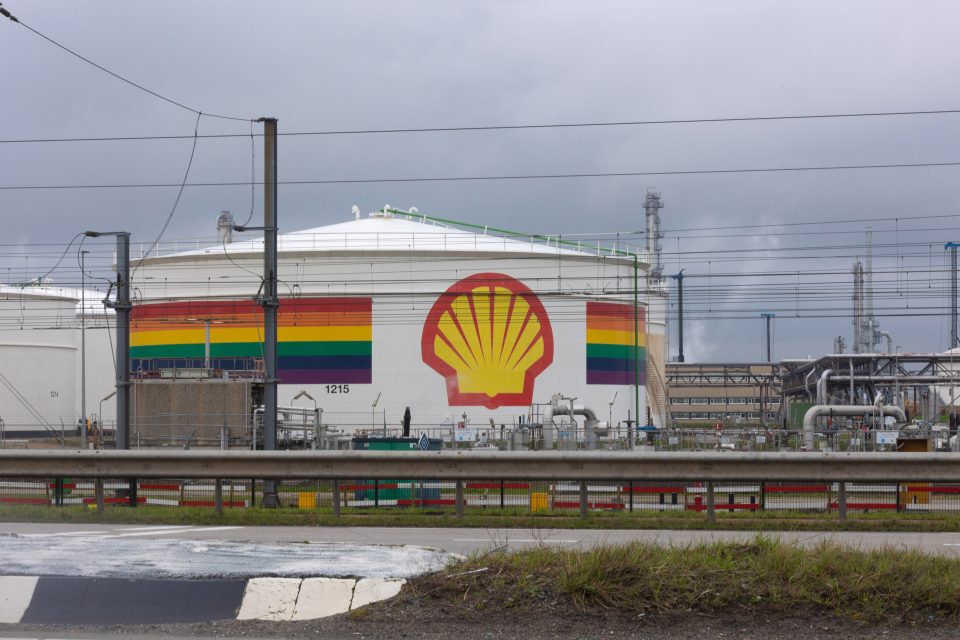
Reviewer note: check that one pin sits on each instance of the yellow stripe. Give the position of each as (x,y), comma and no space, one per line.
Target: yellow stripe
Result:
(242,334)
(596,336)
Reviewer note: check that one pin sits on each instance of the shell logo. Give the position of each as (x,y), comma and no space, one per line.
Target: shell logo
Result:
(489,336)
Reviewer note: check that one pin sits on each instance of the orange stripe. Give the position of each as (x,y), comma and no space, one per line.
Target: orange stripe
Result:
(613,324)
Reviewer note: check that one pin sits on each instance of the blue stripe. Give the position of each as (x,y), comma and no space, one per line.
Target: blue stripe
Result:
(325,362)
(612,364)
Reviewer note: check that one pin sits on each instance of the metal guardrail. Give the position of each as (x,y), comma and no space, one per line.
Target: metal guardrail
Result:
(465,465)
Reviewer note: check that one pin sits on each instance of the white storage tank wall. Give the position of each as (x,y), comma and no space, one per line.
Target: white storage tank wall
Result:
(38,353)
(404,286)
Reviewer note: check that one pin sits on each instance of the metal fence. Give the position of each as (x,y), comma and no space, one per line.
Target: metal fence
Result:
(515,497)
(508,483)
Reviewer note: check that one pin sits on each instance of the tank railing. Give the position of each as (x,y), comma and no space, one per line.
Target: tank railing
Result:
(484,236)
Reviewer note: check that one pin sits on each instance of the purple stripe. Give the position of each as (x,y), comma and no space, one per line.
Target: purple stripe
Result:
(614,377)
(326,376)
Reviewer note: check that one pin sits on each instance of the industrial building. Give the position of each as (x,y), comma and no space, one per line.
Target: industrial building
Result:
(729,394)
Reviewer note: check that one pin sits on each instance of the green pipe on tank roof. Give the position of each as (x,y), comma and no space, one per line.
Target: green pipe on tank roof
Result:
(507,232)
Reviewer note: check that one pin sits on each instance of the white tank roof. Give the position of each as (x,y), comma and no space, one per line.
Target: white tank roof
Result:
(93,300)
(389,232)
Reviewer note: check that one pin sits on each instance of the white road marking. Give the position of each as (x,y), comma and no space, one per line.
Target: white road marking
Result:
(133,531)
(190,529)
(512,540)
(16,592)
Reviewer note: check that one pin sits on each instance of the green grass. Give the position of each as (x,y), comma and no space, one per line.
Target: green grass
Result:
(517,518)
(766,576)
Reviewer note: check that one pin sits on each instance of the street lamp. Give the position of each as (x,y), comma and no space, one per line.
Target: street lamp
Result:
(102,400)
(83,348)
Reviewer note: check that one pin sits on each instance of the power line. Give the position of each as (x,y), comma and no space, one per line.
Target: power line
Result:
(176,202)
(13,18)
(507,127)
(544,176)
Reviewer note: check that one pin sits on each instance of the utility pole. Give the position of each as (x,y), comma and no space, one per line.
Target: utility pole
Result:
(679,279)
(953,292)
(767,317)
(269,300)
(83,350)
(121,308)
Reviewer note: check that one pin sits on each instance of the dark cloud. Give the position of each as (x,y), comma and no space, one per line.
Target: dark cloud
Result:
(352,65)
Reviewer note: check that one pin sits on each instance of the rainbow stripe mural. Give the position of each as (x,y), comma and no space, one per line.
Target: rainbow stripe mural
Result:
(320,340)
(612,357)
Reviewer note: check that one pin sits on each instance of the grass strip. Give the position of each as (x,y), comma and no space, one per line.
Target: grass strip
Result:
(511,518)
(765,577)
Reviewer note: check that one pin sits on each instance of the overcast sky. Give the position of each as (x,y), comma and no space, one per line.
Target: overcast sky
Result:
(375,65)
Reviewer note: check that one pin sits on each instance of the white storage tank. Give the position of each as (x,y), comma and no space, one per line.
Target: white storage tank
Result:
(397,310)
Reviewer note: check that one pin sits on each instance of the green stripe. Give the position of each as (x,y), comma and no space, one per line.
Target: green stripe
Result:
(624,351)
(326,348)
(167,351)
(253,349)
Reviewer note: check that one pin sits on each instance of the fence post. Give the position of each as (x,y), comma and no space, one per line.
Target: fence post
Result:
(842,501)
(459,499)
(584,504)
(218,497)
(98,493)
(336,498)
(711,512)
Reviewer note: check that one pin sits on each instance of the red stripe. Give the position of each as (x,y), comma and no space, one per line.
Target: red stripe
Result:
(614,311)
(496,485)
(796,488)
(66,485)
(656,489)
(232,308)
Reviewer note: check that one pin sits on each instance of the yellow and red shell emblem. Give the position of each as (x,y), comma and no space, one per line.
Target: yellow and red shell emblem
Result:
(489,336)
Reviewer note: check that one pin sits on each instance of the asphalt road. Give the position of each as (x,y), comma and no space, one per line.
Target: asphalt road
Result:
(465,541)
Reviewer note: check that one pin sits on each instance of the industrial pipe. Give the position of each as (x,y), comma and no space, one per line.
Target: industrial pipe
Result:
(822,386)
(886,334)
(806,384)
(843,410)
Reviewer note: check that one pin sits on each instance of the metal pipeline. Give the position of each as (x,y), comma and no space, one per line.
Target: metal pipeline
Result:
(563,407)
(806,384)
(845,410)
(886,334)
(822,386)
(549,427)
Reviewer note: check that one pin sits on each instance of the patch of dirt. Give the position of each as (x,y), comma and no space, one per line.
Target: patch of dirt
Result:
(417,617)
